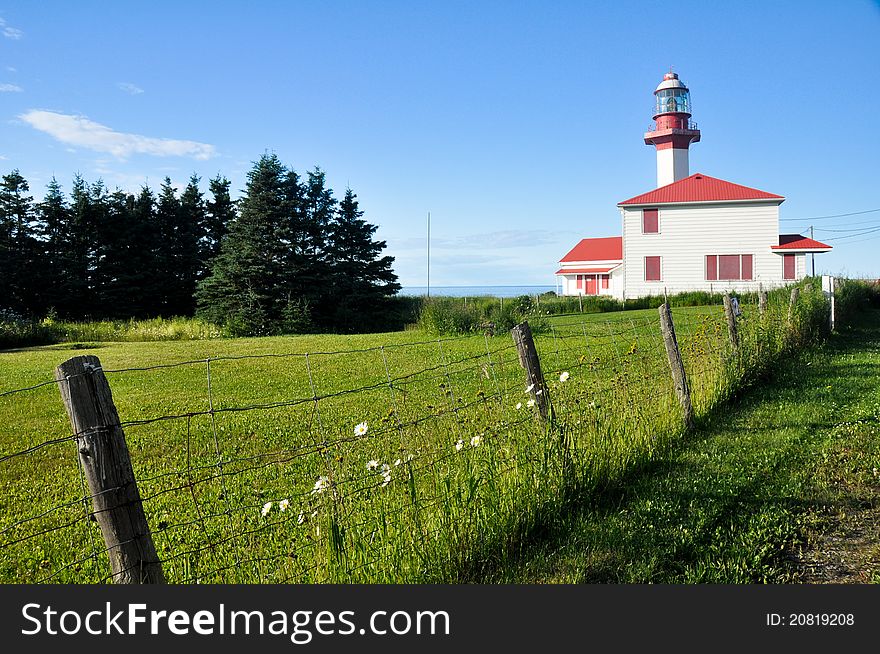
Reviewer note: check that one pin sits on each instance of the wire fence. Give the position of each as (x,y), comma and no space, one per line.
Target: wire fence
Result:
(389,463)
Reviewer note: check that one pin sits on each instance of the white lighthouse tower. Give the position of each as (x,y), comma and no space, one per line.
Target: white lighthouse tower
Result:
(673,130)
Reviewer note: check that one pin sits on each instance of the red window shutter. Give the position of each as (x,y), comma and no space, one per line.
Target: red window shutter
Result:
(604,281)
(711,267)
(580,283)
(788,266)
(728,266)
(650,221)
(747,266)
(652,269)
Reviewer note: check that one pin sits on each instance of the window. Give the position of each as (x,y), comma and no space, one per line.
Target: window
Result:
(711,267)
(605,281)
(652,269)
(650,221)
(580,282)
(729,267)
(747,266)
(788,266)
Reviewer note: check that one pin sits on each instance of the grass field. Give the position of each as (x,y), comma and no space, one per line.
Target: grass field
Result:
(747,497)
(225,433)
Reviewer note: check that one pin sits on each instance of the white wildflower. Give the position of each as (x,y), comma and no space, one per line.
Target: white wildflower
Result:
(386,477)
(564,376)
(459,444)
(283,504)
(530,388)
(372,464)
(518,406)
(530,403)
(301,519)
(266,508)
(476,440)
(386,469)
(321,485)
(397,463)
(539,391)
(360,429)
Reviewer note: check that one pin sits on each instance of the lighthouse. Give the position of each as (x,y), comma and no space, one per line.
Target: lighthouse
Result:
(673,132)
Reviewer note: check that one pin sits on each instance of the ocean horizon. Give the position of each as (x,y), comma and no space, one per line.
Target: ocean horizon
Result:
(478,291)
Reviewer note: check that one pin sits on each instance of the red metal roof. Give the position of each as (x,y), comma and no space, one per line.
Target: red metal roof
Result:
(700,188)
(589,271)
(596,249)
(798,242)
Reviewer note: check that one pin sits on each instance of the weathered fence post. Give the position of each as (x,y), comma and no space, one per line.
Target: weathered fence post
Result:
(528,359)
(731,322)
(105,461)
(792,302)
(679,377)
(762,302)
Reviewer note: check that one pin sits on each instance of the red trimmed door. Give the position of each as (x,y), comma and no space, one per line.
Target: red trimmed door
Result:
(788,266)
(591,285)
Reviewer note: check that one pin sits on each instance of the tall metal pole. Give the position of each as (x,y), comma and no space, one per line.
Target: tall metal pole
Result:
(429,254)
(812,256)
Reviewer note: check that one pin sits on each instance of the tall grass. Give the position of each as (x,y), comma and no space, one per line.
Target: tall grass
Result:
(468,315)
(16,331)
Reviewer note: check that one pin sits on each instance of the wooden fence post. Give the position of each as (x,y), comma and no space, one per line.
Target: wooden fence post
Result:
(105,461)
(762,302)
(528,359)
(731,322)
(679,377)
(795,292)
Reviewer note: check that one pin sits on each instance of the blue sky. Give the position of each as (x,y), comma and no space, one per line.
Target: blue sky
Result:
(518,125)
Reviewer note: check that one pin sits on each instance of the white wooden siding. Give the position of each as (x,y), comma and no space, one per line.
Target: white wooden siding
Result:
(688,233)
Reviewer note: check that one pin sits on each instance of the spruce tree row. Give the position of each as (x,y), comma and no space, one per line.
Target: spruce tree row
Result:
(286,257)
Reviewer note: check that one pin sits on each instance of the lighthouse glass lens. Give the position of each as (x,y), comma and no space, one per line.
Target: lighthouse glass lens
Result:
(672,101)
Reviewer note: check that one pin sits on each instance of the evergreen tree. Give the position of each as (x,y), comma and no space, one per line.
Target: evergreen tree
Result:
(360,278)
(186,256)
(318,208)
(117,290)
(167,215)
(144,277)
(18,247)
(220,212)
(99,272)
(245,290)
(54,223)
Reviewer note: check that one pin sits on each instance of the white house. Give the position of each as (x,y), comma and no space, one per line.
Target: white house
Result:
(693,232)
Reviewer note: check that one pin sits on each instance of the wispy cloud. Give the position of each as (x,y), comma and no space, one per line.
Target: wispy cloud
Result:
(10,32)
(10,88)
(10,69)
(510,238)
(81,132)
(129,88)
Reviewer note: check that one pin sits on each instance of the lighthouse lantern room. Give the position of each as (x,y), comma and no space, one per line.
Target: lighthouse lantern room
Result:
(672,132)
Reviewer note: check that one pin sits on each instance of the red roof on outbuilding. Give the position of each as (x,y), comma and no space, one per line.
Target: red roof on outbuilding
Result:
(798,242)
(700,188)
(596,249)
(588,271)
